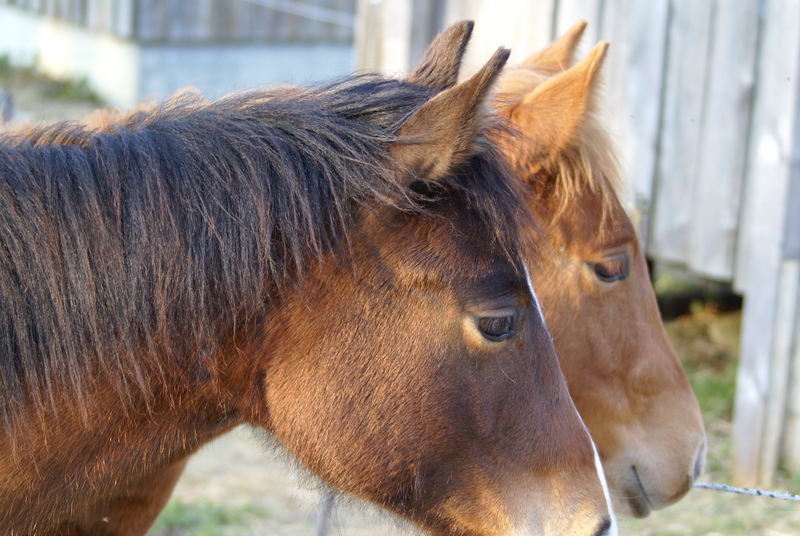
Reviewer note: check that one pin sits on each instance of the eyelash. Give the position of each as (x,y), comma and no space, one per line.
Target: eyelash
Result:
(497,328)
(612,269)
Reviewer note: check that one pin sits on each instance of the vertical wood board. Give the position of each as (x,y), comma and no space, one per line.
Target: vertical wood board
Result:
(521,25)
(723,145)
(568,12)
(768,173)
(684,106)
(632,80)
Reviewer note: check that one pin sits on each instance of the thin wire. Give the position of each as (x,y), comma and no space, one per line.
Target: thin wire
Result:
(309,11)
(749,491)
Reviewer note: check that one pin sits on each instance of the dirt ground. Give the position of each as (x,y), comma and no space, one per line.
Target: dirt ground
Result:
(242,484)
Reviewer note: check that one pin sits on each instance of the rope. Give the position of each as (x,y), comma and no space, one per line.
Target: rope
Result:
(749,491)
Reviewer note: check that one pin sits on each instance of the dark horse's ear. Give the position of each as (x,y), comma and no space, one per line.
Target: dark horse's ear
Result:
(440,64)
(444,131)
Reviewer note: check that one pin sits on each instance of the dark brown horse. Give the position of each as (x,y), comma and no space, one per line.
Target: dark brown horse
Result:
(338,266)
(593,282)
(594,285)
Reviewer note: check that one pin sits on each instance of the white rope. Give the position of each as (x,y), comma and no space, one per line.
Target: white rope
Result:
(309,11)
(749,491)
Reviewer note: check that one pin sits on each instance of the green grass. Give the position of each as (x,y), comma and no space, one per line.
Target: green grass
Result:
(5,67)
(205,519)
(77,89)
(708,346)
(74,89)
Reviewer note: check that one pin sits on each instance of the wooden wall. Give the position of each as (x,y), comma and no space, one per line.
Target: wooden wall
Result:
(702,97)
(205,21)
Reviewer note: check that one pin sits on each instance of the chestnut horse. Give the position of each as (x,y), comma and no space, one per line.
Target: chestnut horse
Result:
(593,282)
(339,266)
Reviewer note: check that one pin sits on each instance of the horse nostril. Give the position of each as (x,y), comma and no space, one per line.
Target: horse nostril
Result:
(699,461)
(603,529)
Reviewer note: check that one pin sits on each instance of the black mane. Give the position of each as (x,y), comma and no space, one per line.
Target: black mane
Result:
(152,237)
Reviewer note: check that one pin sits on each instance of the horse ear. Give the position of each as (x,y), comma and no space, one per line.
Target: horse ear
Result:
(443,132)
(552,113)
(440,64)
(558,55)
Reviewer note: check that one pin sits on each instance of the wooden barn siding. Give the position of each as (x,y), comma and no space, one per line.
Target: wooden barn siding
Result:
(768,279)
(195,21)
(681,71)
(703,100)
(791,436)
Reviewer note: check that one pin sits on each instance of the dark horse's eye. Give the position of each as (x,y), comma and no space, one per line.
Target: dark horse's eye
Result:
(611,269)
(496,328)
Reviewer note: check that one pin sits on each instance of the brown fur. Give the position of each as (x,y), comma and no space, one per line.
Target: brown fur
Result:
(366,364)
(621,369)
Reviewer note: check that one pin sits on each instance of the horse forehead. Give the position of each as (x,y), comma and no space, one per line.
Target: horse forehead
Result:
(592,225)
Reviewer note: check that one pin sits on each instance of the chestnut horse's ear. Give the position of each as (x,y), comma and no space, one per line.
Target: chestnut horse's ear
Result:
(552,113)
(444,132)
(558,55)
(440,64)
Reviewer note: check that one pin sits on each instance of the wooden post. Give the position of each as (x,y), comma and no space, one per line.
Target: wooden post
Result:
(791,250)
(761,271)
(787,317)
(383,36)
(791,438)
(525,26)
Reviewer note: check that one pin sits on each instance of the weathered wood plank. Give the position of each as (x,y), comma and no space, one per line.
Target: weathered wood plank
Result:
(426,22)
(521,25)
(193,21)
(152,16)
(684,107)
(633,80)
(723,145)
(124,19)
(342,33)
(384,36)
(784,328)
(770,166)
(395,23)
(368,36)
(790,448)
(568,12)
(791,436)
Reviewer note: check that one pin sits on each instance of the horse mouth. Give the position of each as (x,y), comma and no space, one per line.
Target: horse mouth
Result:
(639,501)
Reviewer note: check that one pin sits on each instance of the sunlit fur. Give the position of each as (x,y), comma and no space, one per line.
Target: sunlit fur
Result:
(279,259)
(621,369)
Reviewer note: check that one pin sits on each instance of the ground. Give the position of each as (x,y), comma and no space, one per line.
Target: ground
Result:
(242,484)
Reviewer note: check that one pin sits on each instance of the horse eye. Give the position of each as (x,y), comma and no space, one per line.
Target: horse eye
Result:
(496,328)
(611,269)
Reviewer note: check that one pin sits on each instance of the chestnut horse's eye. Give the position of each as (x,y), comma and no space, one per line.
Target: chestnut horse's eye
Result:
(496,328)
(611,269)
